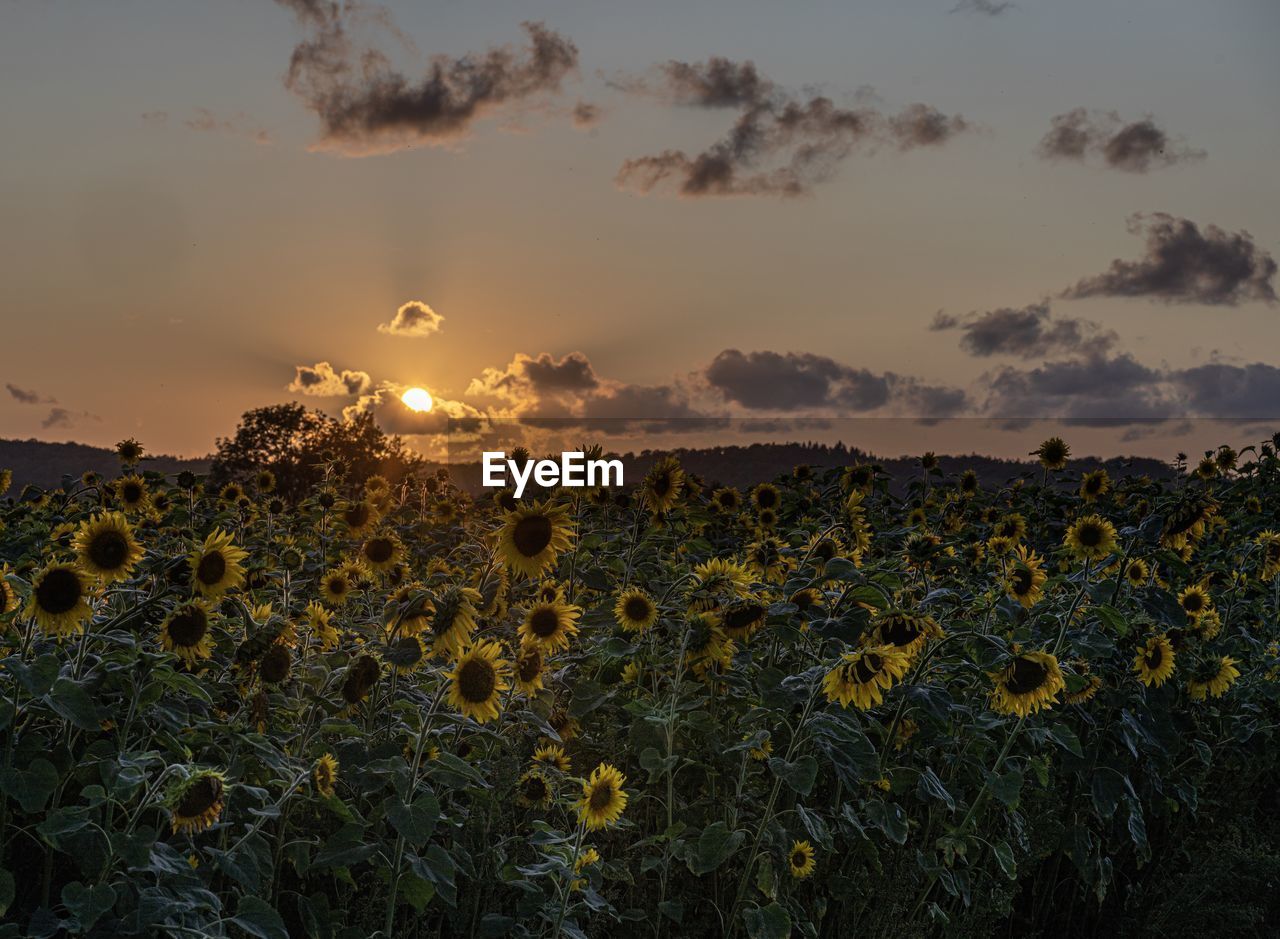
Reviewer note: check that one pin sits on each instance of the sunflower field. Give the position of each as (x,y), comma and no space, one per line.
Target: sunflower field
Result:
(835,704)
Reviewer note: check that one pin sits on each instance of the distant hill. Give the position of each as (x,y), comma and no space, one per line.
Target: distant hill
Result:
(39,463)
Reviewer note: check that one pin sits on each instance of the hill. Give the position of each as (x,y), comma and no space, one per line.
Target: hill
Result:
(39,463)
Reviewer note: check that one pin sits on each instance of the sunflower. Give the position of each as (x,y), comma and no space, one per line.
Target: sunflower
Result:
(453,619)
(381,553)
(1012,526)
(1030,682)
(1213,678)
(903,631)
(529,670)
(8,596)
(535,789)
(59,601)
(1269,542)
(766,520)
(822,548)
(129,451)
(1091,538)
(603,797)
(1025,577)
(549,591)
(706,644)
(338,584)
(766,496)
(195,804)
(532,536)
(231,493)
(405,653)
(763,751)
(1206,469)
(1154,661)
(1137,572)
(216,567)
(325,775)
(552,755)
(801,860)
(1092,685)
(276,664)
(1195,602)
(807,599)
(550,626)
(319,622)
(635,610)
(969,485)
(361,676)
(1053,453)
(630,674)
(742,619)
(106,548)
(133,494)
(477,681)
(187,632)
(1207,625)
(662,486)
(862,677)
(717,581)
(726,500)
(1094,485)
(766,561)
(860,476)
(359,517)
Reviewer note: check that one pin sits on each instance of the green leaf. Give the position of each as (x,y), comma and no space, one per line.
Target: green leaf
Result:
(843,569)
(799,775)
(1004,856)
(416,821)
(415,891)
(1066,738)
(672,910)
(88,904)
(769,922)
(259,918)
(715,845)
(30,787)
(890,819)
(1107,788)
(70,700)
(930,786)
(7,891)
(1007,787)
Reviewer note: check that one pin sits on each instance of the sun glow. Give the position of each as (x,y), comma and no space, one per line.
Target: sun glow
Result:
(417,399)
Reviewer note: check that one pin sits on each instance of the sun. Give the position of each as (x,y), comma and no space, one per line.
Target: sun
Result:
(417,399)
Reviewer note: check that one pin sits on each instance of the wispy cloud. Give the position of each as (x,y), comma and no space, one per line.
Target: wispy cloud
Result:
(1134,146)
(415,320)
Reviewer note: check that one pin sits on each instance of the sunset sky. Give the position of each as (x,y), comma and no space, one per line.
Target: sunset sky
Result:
(859,211)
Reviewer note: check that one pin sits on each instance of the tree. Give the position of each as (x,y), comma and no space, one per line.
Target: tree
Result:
(295,443)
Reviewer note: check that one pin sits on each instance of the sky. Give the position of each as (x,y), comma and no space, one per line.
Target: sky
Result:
(906,224)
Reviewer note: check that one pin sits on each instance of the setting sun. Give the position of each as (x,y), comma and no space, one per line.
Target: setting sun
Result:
(417,399)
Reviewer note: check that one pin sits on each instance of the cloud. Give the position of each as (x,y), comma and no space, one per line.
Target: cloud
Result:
(1135,147)
(25,396)
(536,377)
(1231,391)
(1098,390)
(322,380)
(57,417)
(586,114)
(1186,265)
(393,416)
(986,7)
(367,106)
(1029,332)
(414,319)
(778,145)
(202,119)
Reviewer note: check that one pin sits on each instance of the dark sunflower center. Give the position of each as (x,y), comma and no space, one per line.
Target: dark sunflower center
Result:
(529,666)
(662,484)
(407,650)
(532,534)
(867,668)
(131,492)
(535,788)
(601,796)
(1022,581)
(1136,572)
(1008,529)
(337,585)
(1154,657)
(59,591)
(766,498)
(275,665)
(212,568)
(1273,551)
(637,609)
(1193,603)
(379,550)
(544,622)
(1090,535)
(824,550)
(901,630)
(1092,486)
(798,859)
(476,680)
(188,626)
(200,796)
(740,617)
(727,500)
(356,516)
(108,549)
(1026,676)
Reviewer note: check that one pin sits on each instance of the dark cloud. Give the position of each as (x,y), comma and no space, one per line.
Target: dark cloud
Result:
(366,105)
(586,114)
(1098,391)
(928,402)
(322,380)
(57,417)
(986,7)
(1186,265)
(528,377)
(1029,332)
(393,416)
(804,139)
(414,319)
(1134,147)
(1231,391)
(25,396)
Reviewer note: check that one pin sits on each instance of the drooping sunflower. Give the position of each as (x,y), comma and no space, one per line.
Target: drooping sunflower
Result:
(276,664)
(535,789)
(662,485)
(325,775)
(1091,538)
(529,670)
(1195,601)
(807,599)
(319,622)
(969,485)
(133,494)
(59,603)
(381,553)
(106,548)
(1207,625)
(187,632)
(1213,678)
(216,566)
(630,674)
(477,681)
(361,676)
(8,595)
(742,619)
(603,798)
(706,644)
(405,653)
(1269,543)
(1092,684)
(716,582)
(1137,572)
(1012,526)
(532,537)
(337,585)
(1094,485)
(195,803)
(1154,661)
(552,754)
(1053,453)
(903,630)
(860,476)
(801,861)
(635,610)
(766,560)
(453,619)
(1030,682)
(1024,577)
(550,626)
(863,676)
